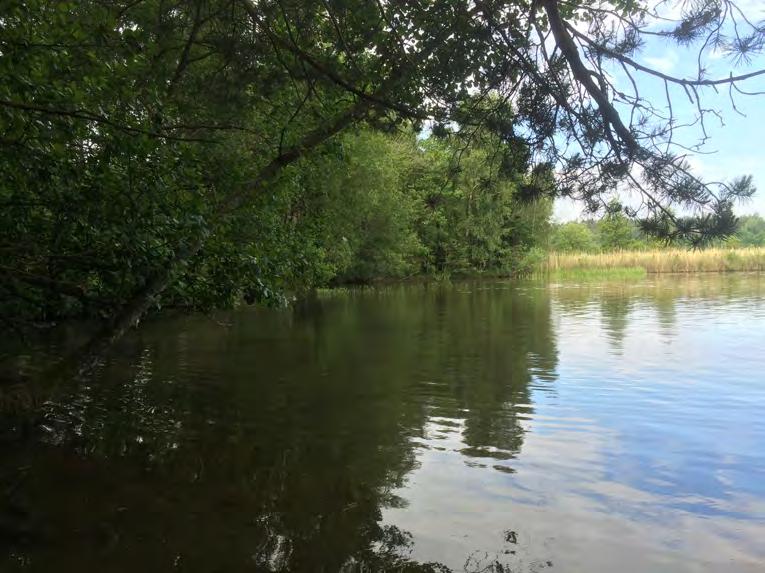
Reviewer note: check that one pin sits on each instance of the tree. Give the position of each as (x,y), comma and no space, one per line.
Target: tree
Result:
(355,207)
(573,237)
(751,231)
(144,141)
(616,231)
(472,212)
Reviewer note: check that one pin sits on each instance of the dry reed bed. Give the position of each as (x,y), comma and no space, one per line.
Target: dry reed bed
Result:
(662,260)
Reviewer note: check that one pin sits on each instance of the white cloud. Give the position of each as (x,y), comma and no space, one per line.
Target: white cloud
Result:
(666,63)
(567,210)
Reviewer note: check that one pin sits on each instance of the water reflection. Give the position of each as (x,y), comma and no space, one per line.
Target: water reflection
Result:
(476,427)
(276,441)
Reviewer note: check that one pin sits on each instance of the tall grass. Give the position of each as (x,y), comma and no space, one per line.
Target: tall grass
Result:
(661,260)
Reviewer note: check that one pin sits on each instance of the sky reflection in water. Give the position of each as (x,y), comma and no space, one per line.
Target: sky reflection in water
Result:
(593,427)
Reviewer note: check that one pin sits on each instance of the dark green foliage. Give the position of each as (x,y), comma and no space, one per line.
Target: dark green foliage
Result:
(470,216)
(109,167)
(197,153)
(395,206)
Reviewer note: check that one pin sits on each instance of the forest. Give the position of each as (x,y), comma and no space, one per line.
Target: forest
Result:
(200,154)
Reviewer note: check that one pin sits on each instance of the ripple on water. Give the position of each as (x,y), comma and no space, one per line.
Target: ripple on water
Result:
(593,427)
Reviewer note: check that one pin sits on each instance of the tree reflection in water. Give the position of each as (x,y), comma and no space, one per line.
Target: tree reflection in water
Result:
(273,443)
(284,441)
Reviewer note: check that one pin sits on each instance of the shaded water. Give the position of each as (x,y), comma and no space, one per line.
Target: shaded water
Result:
(479,426)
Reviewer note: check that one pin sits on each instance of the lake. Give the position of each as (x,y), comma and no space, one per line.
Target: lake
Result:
(475,426)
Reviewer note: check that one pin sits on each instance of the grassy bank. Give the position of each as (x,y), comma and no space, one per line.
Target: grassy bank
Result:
(596,274)
(657,261)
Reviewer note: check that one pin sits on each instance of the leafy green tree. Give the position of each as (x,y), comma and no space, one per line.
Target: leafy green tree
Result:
(573,237)
(357,210)
(751,231)
(472,216)
(150,150)
(615,231)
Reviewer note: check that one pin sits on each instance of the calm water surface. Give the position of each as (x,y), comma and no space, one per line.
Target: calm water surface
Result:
(483,426)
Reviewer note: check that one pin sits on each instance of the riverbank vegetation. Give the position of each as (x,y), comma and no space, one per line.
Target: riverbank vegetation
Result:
(668,260)
(615,246)
(198,155)
(617,232)
(586,274)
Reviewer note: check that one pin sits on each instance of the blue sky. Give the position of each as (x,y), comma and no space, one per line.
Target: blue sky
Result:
(733,149)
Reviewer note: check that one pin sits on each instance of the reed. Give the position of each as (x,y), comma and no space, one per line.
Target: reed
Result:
(661,260)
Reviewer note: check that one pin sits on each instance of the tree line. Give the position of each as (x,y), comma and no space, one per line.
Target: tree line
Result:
(614,231)
(195,153)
